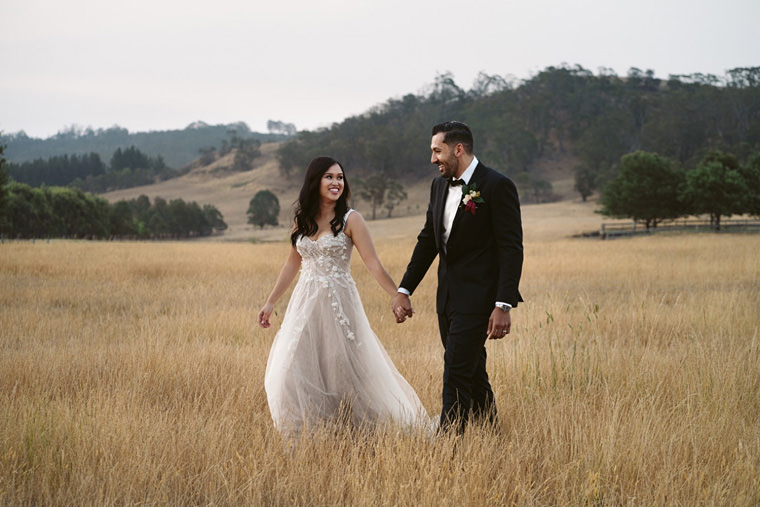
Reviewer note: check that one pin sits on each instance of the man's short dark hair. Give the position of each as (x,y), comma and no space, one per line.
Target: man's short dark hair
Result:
(455,132)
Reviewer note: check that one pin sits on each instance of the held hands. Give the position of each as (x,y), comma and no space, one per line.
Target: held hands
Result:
(401,306)
(264,314)
(499,324)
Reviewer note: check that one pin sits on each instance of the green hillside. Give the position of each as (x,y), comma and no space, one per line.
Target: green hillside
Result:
(177,147)
(565,125)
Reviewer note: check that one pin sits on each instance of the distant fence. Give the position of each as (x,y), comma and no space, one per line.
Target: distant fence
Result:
(609,230)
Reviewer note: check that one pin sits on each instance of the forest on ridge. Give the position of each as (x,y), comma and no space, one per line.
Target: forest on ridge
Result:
(563,116)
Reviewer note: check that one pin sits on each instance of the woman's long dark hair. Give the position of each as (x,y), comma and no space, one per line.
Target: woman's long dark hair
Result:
(307,206)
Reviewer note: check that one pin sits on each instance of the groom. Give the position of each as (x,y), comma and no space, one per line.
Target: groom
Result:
(473,225)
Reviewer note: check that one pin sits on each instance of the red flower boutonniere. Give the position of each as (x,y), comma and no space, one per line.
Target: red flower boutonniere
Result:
(471,198)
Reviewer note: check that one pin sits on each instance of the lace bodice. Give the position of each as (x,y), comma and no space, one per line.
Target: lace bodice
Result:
(328,256)
(326,271)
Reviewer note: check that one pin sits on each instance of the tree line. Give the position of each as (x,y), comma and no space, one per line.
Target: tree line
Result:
(65,212)
(564,112)
(128,168)
(652,188)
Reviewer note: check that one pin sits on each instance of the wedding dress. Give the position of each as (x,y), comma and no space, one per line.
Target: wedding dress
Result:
(326,363)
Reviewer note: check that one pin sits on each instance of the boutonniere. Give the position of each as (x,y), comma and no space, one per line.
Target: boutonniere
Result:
(471,198)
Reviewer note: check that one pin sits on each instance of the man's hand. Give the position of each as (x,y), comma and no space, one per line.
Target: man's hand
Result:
(402,307)
(499,324)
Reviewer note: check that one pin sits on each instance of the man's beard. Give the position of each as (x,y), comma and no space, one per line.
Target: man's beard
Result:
(449,167)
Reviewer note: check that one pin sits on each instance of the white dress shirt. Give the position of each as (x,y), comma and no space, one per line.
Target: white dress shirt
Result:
(454,199)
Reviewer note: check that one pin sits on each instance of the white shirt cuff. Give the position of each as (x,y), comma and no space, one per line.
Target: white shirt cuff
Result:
(404,291)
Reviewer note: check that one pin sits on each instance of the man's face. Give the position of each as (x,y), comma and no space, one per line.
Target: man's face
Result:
(444,156)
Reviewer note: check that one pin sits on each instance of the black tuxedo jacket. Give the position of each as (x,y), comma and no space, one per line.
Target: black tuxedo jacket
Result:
(482,260)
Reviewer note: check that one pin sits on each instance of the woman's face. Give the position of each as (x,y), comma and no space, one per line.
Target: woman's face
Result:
(331,186)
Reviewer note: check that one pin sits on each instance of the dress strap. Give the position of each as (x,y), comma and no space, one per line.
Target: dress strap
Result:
(345,217)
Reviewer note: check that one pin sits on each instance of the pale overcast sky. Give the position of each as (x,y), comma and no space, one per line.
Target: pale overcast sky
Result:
(163,64)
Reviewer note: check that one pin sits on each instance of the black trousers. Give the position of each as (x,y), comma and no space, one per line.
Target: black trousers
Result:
(466,389)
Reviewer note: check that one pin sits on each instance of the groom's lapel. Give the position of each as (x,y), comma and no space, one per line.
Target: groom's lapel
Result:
(441,204)
(455,225)
(476,177)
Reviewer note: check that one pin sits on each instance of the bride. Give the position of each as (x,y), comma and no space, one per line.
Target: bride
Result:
(326,363)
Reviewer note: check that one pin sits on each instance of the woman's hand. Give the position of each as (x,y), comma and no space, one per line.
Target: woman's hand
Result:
(287,273)
(264,314)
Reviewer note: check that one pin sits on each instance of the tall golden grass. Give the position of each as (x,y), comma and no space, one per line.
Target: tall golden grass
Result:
(132,373)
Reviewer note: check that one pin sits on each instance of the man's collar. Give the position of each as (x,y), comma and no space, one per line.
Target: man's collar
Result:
(467,174)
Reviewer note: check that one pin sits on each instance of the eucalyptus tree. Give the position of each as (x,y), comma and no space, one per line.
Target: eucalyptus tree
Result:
(716,187)
(263,209)
(646,188)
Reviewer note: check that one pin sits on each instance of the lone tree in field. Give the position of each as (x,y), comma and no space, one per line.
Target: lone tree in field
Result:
(394,196)
(717,187)
(585,181)
(263,209)
(646,189)
(378,190)
(372,190)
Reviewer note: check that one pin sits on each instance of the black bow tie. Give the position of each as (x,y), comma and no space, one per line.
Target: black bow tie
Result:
(456,183)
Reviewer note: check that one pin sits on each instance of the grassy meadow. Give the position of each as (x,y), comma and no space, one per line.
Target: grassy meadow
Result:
(132,373)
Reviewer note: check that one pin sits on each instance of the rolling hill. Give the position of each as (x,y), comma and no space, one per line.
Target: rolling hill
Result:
(232,191)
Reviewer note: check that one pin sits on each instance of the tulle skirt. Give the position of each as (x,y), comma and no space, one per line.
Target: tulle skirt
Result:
(327,364)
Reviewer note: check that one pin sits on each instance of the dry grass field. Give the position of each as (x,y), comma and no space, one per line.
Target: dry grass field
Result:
(132,373)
